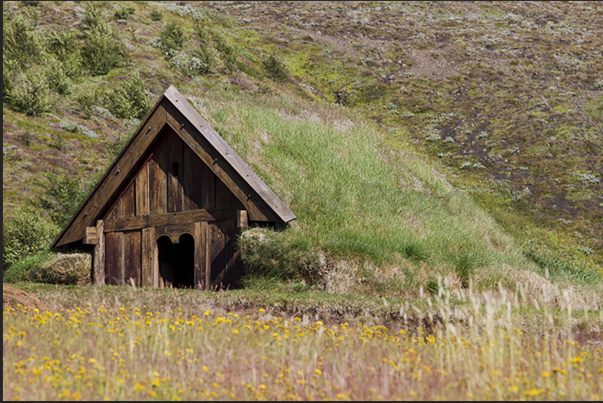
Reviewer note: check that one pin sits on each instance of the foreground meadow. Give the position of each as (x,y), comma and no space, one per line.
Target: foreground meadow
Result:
(115,350)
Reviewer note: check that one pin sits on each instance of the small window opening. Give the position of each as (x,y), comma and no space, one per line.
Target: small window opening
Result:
(175,169)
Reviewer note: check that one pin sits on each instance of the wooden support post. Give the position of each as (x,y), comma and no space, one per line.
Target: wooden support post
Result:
(200,241)
(148,257)
(98,264)
(242,220)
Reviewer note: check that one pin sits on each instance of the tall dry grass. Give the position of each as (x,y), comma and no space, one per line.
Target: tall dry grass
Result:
(483,349)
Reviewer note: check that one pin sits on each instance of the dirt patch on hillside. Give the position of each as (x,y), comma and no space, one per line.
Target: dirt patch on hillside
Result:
(13,296)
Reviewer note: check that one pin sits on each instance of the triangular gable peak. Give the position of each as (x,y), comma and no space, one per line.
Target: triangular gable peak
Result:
(173,114)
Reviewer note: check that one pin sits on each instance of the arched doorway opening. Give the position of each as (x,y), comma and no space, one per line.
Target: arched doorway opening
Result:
(176,262)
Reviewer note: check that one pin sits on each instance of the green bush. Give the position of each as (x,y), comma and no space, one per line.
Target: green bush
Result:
(172,38)
(57,78)
(130,100)
(124,12)
(275,68)
(228,53)
(102,50)
(30,93)
(26,233)
(62,197)
(63,45)
(31,3)
(156,15)
(201,62)
(86,98)
(94,17)
(21,41)
(6,79)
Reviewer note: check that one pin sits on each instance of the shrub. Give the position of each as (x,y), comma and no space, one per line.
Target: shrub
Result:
(172,38)
(21,41)
(102,50)
(87,98)
(93,17)
(28,232)
(62,198)
(63,46)
(275,68)
(228,53)
(155,15)
(30,93)
(124,12)
(6,79)
(200,63)
(31,3)
(131,100)
(58,79)
(207,58)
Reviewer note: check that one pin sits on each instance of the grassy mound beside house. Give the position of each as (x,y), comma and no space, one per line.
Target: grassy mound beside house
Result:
(370,220)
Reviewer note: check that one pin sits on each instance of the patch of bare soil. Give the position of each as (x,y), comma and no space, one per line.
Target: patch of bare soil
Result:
(12,296)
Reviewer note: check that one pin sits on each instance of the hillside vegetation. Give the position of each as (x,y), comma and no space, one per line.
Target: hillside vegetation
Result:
(374,216)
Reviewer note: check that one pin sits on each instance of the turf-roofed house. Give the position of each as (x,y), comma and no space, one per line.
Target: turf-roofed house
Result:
(168,210)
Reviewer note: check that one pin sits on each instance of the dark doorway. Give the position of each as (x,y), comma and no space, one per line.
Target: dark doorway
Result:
(176,262)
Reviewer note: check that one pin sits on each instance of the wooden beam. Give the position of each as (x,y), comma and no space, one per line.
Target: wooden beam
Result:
(242,220)
(158,220)
(90,236)
(98,263)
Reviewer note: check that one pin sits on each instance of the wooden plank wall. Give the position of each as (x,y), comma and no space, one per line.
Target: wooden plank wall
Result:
(224,260)
(173,179)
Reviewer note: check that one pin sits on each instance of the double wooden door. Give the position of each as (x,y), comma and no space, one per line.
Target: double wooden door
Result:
(198,255)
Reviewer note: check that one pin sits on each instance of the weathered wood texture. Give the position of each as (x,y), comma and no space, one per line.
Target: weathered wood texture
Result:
(132,256)
(224,260)
(200,255)
(147,257)
(98,261)
(90,236)
(175,218)
(123,166)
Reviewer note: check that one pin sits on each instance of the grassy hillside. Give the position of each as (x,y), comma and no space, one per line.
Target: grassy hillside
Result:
(374,216)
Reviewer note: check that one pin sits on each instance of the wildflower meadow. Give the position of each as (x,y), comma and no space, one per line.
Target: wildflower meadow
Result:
(164,352)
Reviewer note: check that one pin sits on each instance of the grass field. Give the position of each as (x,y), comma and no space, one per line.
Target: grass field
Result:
(124,344)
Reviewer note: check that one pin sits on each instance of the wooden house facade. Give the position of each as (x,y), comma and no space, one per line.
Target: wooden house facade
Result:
(168,210)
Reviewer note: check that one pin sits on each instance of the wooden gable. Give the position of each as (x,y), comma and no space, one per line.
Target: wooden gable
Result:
(174,162)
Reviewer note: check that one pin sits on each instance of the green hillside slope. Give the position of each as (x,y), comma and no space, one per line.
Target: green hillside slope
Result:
(374,216)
